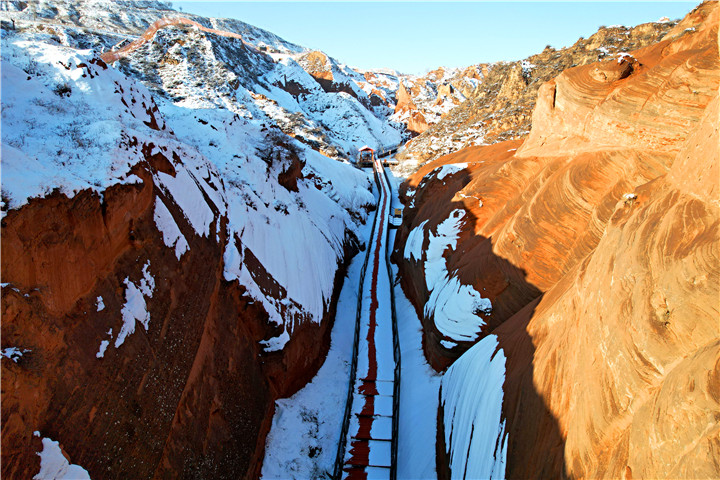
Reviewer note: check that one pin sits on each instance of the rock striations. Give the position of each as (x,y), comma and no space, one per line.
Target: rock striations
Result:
(597,242)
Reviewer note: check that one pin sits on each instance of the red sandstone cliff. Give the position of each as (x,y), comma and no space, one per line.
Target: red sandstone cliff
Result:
(597,241)
(194,395)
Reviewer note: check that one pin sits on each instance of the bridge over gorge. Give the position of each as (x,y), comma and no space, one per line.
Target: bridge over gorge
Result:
(368,443)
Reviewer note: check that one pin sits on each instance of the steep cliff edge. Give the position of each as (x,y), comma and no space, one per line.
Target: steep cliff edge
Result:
(590,253)
(149,314)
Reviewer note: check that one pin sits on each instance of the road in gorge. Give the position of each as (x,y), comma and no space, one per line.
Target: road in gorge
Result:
(366,451)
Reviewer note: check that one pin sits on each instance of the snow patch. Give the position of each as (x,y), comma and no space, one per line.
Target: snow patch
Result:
(135,308)
(188,195)
(527,67)
(275,344)
(54,465)
(450,169)
(472,397)
(414,243)
(624,56)
(455,308)
(172,236)
(103,346)
(14,353)
(100,304)
(448,344)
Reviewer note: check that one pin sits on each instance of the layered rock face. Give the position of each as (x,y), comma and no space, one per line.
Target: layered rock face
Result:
(168,271)
(596,240)
(500,106)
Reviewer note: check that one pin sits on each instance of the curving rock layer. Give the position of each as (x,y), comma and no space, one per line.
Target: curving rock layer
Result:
(597,240)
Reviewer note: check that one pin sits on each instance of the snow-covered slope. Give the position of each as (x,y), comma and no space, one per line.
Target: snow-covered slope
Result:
(71,123)
(256,76)
(471,399)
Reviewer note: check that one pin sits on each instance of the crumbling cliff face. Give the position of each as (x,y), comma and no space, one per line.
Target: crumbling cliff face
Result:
(594,243)
(149,316)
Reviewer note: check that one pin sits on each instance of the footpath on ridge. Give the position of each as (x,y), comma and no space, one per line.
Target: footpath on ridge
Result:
(115,55)
(367,447)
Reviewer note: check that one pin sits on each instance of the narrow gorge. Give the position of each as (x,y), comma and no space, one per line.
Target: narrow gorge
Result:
(224,255)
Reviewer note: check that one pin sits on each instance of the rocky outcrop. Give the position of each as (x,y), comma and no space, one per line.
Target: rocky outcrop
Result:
(405,107)
(124,51)
(423,101)
(596,240)
(500,105)
(320,67)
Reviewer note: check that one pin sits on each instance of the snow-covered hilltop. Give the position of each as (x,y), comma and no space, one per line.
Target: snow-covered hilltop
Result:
(260,76)
(327,105)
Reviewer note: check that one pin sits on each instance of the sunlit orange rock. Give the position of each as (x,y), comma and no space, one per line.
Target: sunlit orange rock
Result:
(598,242)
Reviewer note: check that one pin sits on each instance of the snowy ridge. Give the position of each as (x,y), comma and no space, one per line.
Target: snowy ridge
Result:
(471,397)
(130,18)
(71,123)
(203,69)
